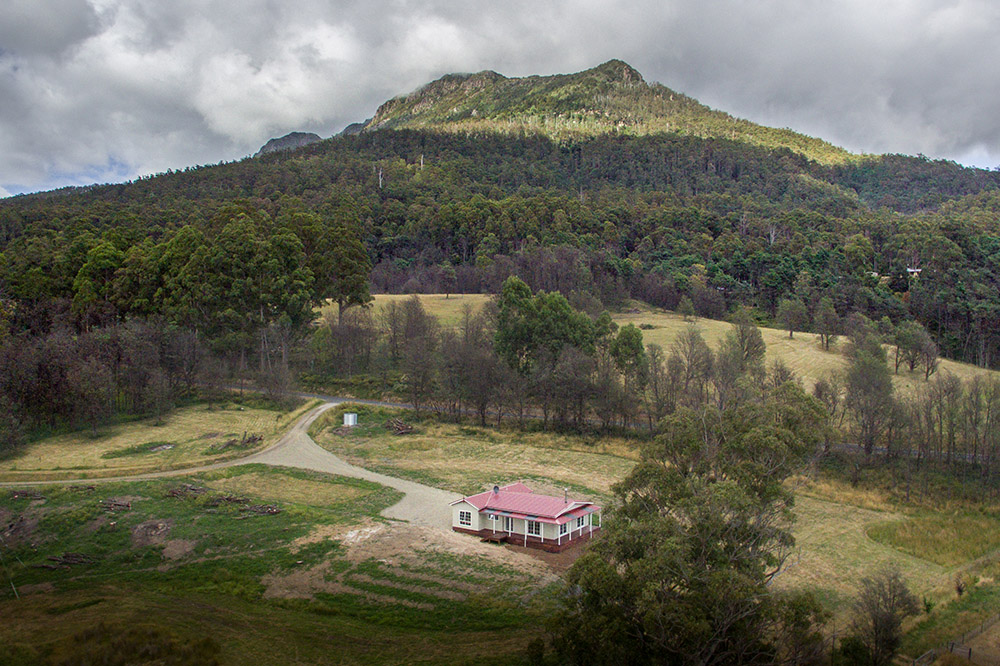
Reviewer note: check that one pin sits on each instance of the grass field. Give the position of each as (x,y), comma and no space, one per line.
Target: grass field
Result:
(803,353)
(468,459)
(187,436)
(324,581)
(447,308)
(834,550)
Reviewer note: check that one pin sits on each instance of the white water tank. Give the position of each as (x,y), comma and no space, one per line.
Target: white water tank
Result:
(350,419)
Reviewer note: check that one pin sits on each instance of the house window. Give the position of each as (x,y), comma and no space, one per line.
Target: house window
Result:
(579,521)
(534,528)
(465,518)
(494,516)
(563,528)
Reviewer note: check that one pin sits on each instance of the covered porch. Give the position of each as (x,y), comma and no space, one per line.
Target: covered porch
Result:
(530,531)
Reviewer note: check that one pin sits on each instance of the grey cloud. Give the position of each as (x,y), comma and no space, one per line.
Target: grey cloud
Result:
(119,88)
(45,27)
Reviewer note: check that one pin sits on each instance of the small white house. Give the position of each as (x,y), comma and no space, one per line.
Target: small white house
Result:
(515,514)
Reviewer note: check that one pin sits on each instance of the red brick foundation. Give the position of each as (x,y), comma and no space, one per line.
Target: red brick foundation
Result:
(549,545)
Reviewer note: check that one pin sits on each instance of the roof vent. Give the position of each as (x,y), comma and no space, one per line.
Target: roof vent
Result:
(565,495)
(496,489)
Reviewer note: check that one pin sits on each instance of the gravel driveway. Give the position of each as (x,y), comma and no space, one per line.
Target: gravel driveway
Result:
(421,505)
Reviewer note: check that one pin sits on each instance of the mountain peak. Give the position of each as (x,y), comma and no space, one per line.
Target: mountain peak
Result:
(617,71)
(611,98)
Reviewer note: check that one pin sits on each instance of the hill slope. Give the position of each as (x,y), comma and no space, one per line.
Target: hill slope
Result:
(611,98)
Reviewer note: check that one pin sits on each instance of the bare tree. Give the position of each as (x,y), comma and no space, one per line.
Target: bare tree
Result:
(692,359)
(883,602)
(869,397)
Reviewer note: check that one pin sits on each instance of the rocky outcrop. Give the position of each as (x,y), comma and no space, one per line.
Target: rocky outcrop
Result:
(355,128)
(290,141)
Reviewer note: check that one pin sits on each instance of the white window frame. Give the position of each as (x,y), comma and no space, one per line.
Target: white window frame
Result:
(579,521)
(563,528)
(534,528)
(465,518)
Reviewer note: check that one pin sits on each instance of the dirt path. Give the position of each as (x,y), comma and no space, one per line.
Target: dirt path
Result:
(421,505)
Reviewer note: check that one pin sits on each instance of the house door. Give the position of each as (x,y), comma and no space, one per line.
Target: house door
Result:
(508,524)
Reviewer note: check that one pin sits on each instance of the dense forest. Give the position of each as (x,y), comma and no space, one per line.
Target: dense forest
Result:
(656,218)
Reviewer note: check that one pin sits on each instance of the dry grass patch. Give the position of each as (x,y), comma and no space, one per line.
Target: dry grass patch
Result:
(802,354)
(191,432)
(284,488)
(947,540)
(447,308)
(465,460)
(830,490)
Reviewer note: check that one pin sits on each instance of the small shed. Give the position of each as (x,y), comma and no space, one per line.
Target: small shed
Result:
(350,419)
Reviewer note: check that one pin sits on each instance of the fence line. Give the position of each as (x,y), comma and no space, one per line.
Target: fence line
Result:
(957,646)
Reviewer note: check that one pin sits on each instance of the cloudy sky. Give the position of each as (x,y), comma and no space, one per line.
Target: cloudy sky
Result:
(107,90)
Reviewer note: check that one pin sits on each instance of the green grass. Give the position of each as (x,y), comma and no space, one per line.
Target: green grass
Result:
(949,621)
(218,587)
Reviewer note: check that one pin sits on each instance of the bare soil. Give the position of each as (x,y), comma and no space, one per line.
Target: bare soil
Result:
(17,529)
(151,533)
(37,588)
(175,549)
(558,562)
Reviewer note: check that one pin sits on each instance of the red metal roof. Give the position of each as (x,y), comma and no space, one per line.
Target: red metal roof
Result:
(519,501)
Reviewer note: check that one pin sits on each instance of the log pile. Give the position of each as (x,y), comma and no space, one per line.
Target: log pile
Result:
(25,494)
(115,505)
(244,442)
(261,509)
(65,561)
(186,490)
(82,489)
(398,427)
(227,499)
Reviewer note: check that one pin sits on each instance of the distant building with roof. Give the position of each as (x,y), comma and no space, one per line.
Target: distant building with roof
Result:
(516,514)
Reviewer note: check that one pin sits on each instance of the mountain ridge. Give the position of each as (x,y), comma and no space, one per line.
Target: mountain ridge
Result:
(611,98)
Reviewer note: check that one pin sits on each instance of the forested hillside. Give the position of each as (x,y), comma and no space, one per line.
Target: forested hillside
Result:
(664,212)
